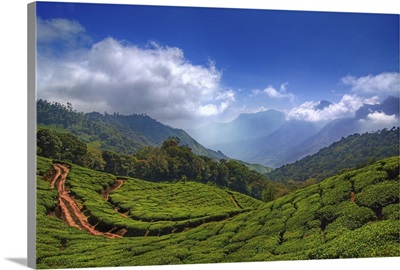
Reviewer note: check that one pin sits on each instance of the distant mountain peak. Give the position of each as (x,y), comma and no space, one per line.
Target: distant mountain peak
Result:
(322,105)
(389,106)
(258,115)
(246,126)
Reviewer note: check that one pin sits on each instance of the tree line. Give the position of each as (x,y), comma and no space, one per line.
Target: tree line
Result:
(171,162)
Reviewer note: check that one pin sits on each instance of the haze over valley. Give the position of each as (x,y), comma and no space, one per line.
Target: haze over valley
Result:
(272,139)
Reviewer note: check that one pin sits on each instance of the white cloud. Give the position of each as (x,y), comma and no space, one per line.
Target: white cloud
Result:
(60,31)
(372,101)
(386,83)
(260,109)
(346,107)
(382,118)
(271,92)
(208,110)
(365,90)
(117,77)
(377,121)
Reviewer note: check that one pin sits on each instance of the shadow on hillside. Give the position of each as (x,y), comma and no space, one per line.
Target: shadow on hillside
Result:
(20,261)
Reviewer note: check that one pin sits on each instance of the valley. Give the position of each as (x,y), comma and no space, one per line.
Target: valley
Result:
(271,139)
(164,203)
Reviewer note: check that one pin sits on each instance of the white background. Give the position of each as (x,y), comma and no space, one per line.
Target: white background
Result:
(13,188)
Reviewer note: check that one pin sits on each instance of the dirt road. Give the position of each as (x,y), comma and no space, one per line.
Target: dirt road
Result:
(70,211)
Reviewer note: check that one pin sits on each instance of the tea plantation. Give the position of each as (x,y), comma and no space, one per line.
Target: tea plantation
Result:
(352,215)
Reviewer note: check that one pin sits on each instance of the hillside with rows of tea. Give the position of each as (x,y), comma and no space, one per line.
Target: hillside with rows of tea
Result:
(114,221)
(166,203)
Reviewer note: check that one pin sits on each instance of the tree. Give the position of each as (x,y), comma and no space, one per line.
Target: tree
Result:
(269,194)
(127,165)
(72,149)
(222,174)
(169,144)
(113,162)
(48,143)
(94,159)
(158,165)
(141,169)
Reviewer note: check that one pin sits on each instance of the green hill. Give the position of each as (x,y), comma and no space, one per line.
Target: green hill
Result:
(352,215)
(354,151)
(256,167)
(124,134)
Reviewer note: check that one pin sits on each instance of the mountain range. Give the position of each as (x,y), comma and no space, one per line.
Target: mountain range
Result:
(125,134)
(276,140)
(267,138)
(246,126)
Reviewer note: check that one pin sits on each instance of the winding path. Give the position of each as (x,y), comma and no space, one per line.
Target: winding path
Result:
(234,200)
(352,196)
(106,193)
(70,211)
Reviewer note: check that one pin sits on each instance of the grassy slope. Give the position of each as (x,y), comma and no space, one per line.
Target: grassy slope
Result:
(195,223)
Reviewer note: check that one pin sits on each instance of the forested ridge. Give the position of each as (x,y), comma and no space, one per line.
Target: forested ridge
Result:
(92,140)
(129,146)
(123,134)
(354,151)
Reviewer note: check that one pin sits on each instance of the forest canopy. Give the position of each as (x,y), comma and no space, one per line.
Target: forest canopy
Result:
(354,151)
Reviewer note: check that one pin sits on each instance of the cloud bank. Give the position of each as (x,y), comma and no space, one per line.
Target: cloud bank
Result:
(307,111)
(115,76)
(386,83)
(378,120)
(369,89)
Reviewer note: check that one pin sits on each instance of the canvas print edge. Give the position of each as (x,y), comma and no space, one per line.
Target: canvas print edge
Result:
(31,245)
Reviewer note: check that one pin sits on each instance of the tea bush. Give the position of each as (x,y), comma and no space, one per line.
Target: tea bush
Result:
(186,222)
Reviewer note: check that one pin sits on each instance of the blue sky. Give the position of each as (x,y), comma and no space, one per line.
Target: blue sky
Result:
(187,66)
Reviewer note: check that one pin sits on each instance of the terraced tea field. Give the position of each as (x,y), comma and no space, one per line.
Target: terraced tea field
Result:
(346,216)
